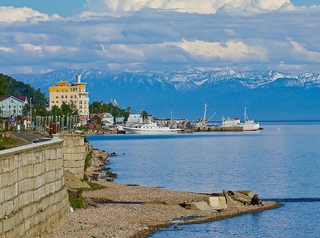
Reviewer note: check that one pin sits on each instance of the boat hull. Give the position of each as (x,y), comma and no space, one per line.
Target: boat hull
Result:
(250,126)
(151,128)
(141,131)
(247,126)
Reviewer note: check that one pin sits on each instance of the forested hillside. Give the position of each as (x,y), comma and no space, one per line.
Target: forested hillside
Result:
(12,87)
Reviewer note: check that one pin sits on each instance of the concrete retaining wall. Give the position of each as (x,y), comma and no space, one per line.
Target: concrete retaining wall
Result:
(74,153)
(33,196)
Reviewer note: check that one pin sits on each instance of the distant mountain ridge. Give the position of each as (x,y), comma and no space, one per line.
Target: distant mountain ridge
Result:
(268,95)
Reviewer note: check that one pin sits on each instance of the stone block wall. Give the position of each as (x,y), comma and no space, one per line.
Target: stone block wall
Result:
(33,195)
(74,153)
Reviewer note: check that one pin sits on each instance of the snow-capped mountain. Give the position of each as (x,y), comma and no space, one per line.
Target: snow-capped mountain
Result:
(268,95)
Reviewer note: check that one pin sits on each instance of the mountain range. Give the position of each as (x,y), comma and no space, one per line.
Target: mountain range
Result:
(267,95)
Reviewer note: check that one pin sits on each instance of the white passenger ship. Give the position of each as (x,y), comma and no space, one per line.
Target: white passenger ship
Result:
(149,128)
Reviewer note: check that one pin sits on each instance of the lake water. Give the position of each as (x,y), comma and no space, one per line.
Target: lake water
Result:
(281,162)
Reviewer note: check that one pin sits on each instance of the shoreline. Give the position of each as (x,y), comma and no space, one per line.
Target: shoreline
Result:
(124,210)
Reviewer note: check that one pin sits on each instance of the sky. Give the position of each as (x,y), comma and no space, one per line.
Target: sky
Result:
(157,36)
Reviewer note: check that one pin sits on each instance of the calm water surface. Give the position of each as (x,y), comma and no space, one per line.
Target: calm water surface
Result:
(281,162)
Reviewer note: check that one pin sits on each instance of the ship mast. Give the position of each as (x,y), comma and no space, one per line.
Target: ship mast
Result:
(245,116)
(205,112)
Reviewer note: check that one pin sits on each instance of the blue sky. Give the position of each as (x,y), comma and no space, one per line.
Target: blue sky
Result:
(149,35)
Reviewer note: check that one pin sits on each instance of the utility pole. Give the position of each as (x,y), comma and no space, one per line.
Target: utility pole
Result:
(30,113)
(101,107)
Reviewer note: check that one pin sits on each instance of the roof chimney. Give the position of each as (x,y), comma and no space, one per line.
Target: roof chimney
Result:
(78,78)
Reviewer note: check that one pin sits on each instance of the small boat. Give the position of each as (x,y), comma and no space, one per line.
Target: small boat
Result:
(150,128)
(247,125)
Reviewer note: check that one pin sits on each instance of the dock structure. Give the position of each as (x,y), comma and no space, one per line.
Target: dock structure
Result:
(215,129)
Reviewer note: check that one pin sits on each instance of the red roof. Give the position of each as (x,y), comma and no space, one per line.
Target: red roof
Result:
(21,98)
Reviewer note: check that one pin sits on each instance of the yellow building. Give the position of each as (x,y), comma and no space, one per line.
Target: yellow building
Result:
(71,94)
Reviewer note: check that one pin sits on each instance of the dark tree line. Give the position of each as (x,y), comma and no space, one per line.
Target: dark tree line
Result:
(17,88)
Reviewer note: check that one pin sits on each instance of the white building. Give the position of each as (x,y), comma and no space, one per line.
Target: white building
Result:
(12,106)
(107,120)
(134,119)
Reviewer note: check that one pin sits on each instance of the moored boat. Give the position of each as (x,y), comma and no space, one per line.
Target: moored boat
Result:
(150,128)
(247,125)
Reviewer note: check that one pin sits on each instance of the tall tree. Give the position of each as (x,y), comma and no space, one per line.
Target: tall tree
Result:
(99,107)
(69,110)
(4,85)
(144,115)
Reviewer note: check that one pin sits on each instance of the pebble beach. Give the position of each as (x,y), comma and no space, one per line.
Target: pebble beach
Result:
(127,210)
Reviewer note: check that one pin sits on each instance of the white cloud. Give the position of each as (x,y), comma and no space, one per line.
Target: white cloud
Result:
(229,32)
(191,6)
(25,70)
(105,38)
(232,50)
(6,49)
(11,15)
(303,54)
(52,49)
(127,49)
(32,48)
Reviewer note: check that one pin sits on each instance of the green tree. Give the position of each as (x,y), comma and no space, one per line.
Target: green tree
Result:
(26,110)
(99,107)
(4,85)
(144,115)
(36,110)
(56,111)
(17,88)
(69,110)
(40,110)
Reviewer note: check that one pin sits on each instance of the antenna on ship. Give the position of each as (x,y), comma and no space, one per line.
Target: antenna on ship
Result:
(204,121)
(205,112)
(245,116)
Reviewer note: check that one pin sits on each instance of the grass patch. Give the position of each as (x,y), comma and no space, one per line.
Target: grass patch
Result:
(95,186)
(6,142)
(87,163)
(76,199)
(76,203)
(75,196)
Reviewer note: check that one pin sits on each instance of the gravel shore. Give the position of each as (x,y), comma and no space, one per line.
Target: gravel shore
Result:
(121,210)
